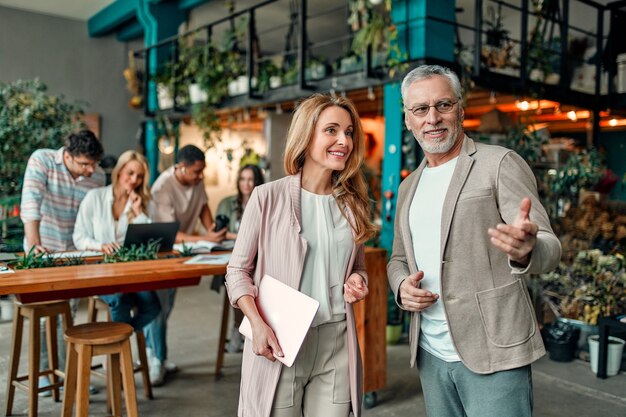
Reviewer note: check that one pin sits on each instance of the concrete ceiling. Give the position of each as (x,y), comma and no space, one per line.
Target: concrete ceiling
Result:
(71,9)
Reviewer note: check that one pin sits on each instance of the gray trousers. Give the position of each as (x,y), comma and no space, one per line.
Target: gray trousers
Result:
(318,383)
(452,390)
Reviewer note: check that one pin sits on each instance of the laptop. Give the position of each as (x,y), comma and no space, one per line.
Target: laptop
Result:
(288,312)
(138,234)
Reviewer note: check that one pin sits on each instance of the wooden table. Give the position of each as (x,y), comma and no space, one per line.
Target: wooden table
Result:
(47,284)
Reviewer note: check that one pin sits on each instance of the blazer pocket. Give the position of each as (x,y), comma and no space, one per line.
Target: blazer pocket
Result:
(475,193)
(506,314)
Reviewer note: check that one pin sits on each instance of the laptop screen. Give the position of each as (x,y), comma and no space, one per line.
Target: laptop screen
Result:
(138,234)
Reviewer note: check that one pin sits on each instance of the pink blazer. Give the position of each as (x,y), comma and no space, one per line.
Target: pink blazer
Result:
(269,242)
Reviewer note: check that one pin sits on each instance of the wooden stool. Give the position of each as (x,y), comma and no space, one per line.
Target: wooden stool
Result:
(93,339)
(35,312)
(96,304)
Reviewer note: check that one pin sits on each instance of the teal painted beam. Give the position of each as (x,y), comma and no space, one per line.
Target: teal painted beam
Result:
(111,17)
(392,160)
(159,21)
(130,31)
(190,4)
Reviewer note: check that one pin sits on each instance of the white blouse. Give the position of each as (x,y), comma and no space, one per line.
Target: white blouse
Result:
(95,224)
(330,241)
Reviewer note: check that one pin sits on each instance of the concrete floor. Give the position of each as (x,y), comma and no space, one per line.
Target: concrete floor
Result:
(560,389)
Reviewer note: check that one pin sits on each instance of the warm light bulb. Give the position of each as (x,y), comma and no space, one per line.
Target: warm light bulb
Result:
(572,115)
(523,105)
(613,122)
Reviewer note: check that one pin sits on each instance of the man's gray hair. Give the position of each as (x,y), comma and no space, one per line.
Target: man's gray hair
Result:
(427,71)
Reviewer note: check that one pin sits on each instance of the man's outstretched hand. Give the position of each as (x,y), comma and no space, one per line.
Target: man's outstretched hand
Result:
(518,239)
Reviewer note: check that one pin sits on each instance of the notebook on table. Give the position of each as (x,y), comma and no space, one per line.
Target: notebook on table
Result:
(142,233)
(287,311)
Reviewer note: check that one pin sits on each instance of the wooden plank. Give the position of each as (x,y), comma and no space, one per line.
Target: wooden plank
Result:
(371,321)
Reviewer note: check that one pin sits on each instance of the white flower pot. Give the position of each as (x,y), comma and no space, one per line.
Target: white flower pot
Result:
(164,97)
(275,81)
(197,94)
(233,88)
(614,354)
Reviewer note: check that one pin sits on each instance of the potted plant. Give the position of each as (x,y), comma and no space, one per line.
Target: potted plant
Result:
(582,170)
(496,33)
(269,76)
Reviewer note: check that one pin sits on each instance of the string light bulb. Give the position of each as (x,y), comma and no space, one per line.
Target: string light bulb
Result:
(572,115)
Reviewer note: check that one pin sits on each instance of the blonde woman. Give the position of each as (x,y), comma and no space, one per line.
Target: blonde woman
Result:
(307,230)
(101,224)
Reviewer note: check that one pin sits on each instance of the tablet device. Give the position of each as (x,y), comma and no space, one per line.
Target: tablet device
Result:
(142,233)
(287,311)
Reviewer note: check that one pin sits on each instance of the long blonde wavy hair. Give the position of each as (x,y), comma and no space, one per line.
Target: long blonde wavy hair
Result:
(349,186)
(144,189)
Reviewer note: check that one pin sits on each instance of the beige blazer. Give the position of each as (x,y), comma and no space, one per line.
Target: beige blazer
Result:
(489,313)
(269,242)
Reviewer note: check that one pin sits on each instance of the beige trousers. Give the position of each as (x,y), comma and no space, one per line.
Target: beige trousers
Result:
(318,383)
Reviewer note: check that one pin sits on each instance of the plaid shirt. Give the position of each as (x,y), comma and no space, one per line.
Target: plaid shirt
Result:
(51,196)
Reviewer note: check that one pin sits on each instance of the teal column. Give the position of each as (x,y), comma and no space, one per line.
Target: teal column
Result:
(420,36)
(392,160)
(159,21)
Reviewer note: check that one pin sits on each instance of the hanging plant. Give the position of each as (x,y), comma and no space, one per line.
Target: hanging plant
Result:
(373,27)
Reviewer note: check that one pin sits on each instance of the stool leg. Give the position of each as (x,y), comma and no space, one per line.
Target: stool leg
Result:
(143,361)
(33,361)
(18,328)
(223,328)
(53,355)
(128,377)
(92,312)
(114,385)
(84,369)
(69,388)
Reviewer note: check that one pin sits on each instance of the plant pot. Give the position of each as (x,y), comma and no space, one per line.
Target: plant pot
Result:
(393,332)
(164,97)
(614,354)
(238,86)
(315,72)
(586,330)
(553,79)
(275,81)
(561,351)
(196,94)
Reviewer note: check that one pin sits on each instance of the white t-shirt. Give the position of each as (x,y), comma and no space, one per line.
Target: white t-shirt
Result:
(174,201)
(329,238)
(425,225)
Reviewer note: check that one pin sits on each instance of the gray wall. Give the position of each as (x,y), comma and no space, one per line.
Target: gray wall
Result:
(60,52)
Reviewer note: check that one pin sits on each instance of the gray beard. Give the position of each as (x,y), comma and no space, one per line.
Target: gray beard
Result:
(436,147)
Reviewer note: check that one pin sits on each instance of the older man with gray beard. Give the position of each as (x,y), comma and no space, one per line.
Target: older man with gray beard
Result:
(469,227)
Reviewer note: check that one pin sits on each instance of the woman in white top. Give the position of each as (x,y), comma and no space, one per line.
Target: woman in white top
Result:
(101,224)
(307,230)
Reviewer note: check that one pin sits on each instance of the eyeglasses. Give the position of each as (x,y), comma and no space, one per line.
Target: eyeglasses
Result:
(84,165)
(442,107)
